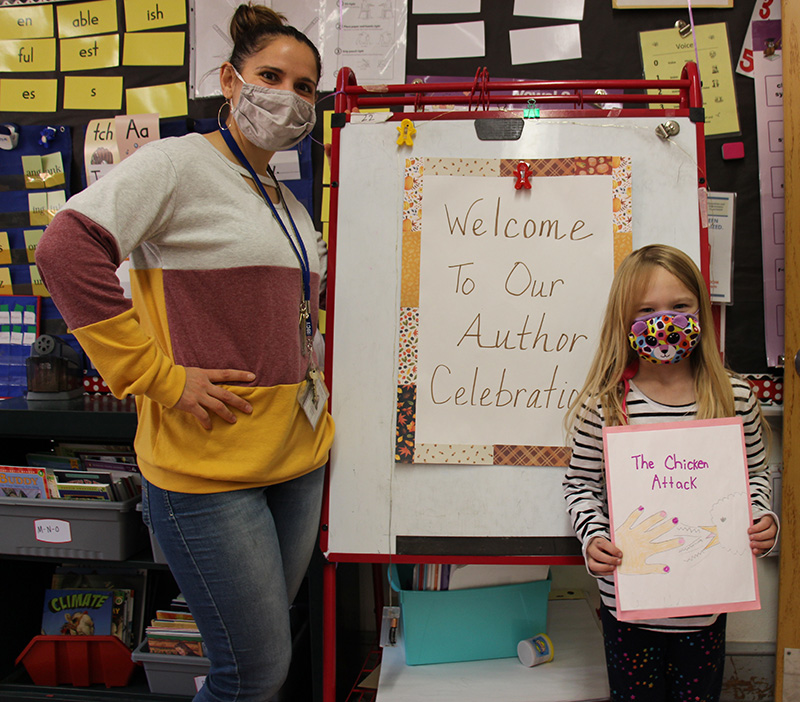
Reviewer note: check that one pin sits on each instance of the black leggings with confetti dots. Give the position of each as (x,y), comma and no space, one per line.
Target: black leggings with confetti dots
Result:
(655,666)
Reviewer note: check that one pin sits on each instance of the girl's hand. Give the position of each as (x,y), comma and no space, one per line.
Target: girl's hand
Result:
(201,394)
(762,535)
(603,557)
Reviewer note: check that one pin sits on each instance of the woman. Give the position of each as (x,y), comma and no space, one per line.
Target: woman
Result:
(232,421)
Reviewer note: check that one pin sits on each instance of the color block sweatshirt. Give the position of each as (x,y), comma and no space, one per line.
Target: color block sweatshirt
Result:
(215,284)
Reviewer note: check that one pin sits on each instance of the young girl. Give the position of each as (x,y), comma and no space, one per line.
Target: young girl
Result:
(657,361)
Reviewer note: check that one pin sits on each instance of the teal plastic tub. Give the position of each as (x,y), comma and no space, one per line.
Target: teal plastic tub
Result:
(472,624)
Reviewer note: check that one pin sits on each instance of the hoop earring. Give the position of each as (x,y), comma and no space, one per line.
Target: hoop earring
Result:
(219,116)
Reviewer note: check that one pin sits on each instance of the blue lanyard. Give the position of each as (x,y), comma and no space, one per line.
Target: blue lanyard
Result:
(300,253)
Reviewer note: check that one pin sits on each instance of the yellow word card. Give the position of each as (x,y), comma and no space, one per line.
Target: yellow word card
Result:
(99,17)
(92,92)
(168,100)
(153,49)
(18,55)
(5,249)
(28,95)
(5,282)
(37,284)
(32,237)
(90,53)
(153,14)
(26,22)
(46,171)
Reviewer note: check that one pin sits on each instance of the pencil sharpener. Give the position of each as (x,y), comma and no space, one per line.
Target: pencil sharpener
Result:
(54,370)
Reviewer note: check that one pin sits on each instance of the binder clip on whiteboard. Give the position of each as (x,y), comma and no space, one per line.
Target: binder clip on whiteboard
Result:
(523,174)
(389,623)
(668,129)
(684,28)
(531,111)
(406,131)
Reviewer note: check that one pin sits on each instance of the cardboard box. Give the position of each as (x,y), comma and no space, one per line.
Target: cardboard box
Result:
(470,624)
(101,530)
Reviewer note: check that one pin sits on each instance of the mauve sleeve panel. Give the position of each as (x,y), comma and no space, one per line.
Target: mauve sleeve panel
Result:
(78,261)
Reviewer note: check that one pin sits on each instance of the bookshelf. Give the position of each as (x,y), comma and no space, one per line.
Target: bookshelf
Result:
(35,426)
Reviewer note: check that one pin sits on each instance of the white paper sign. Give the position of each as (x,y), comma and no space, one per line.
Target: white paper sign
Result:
(555,9)
(539,44)
(507,321)
(721,219)
(461,40)
(679,504)
(52,531)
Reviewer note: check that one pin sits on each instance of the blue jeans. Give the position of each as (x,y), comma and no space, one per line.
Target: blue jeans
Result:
(239,558)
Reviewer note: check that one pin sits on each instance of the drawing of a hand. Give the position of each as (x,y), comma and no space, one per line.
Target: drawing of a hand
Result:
(638,542)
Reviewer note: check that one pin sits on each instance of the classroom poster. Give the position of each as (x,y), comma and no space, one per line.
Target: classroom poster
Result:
(503,290)
(664,54)
(679,507)
(768,83)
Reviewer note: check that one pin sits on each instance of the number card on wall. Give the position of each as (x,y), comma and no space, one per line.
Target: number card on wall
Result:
(679,505)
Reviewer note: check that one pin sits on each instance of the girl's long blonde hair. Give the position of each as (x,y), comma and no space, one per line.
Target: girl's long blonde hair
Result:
(614,354)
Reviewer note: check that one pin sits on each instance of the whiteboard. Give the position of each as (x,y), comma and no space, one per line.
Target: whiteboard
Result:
(371,499)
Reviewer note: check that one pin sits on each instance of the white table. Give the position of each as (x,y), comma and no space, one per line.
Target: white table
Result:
(576,674)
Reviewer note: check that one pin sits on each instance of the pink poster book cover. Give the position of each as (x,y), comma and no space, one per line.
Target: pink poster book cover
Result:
(679,509)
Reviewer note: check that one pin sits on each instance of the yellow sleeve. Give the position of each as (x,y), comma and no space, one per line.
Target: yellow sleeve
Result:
(130,361)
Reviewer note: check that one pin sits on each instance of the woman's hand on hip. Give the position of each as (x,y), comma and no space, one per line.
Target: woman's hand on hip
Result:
(202,395)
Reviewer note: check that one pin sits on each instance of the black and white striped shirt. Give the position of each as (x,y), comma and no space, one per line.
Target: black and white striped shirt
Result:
(585,488)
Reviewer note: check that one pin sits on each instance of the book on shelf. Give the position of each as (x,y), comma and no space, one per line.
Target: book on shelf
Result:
(128,586)
(173,625)
(52,460)
(175,645)
(74,449)
(110,461)
(174,632)
(77,612)
(116,488)
(178,603)
(122,616)
(23,481)
(84,485)
(162,614)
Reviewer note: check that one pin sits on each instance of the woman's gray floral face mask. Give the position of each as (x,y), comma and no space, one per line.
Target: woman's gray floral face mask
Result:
(271,119)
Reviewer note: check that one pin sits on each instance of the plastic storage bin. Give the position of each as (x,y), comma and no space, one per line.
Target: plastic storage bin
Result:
(172,675)
(472,624)
(110,531)
(158,554)
(78,660)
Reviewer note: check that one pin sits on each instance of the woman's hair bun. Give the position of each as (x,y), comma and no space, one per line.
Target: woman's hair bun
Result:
(249,18)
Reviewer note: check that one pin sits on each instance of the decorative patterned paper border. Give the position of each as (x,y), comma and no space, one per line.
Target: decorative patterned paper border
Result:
(406,449)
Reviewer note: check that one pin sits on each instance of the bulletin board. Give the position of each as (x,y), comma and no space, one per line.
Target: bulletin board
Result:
(508,501)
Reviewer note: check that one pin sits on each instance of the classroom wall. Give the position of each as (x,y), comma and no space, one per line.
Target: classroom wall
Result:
(610,49)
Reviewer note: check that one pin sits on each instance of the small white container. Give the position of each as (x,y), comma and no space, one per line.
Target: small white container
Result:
(536,650)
